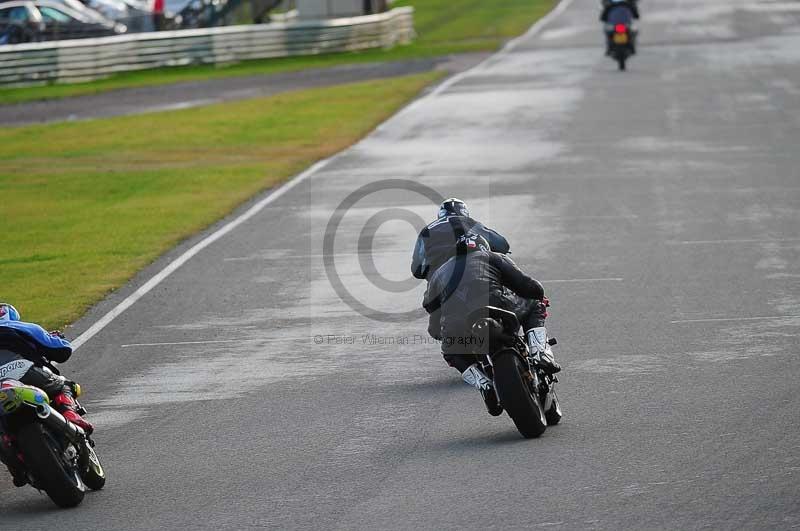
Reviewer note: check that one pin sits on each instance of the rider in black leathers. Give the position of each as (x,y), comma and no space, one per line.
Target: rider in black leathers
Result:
(436,242)
(477,277)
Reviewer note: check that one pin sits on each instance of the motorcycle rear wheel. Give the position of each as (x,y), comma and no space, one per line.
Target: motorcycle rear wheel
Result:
(515,396)
(43,458)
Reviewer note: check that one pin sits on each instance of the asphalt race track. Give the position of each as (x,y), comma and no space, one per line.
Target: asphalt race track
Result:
(139,100)
(660,207)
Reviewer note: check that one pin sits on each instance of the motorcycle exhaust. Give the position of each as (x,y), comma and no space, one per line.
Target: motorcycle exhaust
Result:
(53,419)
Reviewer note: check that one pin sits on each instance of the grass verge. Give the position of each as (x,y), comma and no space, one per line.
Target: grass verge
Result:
(88,204)
(443,27)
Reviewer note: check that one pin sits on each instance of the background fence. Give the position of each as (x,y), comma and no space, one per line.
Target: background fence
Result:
(87,59)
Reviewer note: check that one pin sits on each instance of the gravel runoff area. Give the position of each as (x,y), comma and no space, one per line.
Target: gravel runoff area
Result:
(191,94)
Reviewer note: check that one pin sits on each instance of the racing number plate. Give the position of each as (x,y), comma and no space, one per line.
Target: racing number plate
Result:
(620,38)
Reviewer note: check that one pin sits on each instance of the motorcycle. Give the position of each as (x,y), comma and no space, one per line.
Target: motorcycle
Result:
(521,386)
(42,448)
(621,42)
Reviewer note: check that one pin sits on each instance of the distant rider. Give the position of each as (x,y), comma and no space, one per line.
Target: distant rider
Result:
(619,12)
(436,242)
(474,278)
(608,5)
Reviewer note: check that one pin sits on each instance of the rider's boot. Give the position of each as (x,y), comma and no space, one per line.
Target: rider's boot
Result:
(475,377)
(17,476)
(66,405)
(540,350)
(491,402)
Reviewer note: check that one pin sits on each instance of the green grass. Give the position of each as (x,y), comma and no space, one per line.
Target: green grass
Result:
(88,204)
(443,27)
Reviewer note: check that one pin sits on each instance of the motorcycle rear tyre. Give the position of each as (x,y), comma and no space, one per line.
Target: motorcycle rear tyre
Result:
(515,396)
(41,452)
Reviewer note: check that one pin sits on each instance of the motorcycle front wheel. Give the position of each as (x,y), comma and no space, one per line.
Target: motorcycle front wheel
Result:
(516,397)
(44,458)
(95,475)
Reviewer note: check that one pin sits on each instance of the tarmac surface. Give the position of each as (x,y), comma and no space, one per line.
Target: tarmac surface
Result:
(142,100)
(660,208)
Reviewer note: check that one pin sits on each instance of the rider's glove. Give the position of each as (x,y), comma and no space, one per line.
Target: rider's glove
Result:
(58,333)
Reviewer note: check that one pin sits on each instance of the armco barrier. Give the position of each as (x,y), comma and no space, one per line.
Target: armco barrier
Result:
(87,59)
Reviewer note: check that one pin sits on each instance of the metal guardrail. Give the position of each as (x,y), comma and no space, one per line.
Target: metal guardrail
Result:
(88,59)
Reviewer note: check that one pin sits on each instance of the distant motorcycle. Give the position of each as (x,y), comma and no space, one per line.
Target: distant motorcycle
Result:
(521,386)
(618,22)
(45,449)
(621,45)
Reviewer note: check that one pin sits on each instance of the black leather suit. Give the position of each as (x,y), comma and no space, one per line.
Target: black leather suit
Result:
(471,281)
(436,242)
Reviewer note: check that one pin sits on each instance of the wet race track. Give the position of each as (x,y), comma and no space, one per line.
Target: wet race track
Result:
(660,207)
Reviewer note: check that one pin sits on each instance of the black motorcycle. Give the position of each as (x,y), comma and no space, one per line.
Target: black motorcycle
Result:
(621,43)
(618,17)
(521,386)
(42,448)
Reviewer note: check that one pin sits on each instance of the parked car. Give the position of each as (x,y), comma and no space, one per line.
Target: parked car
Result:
(110,9)
(135,15)
(47,20)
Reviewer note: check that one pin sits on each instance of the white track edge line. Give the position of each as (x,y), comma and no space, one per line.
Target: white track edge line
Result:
(170,268)
(576,280)
(726,319)
(181,343)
